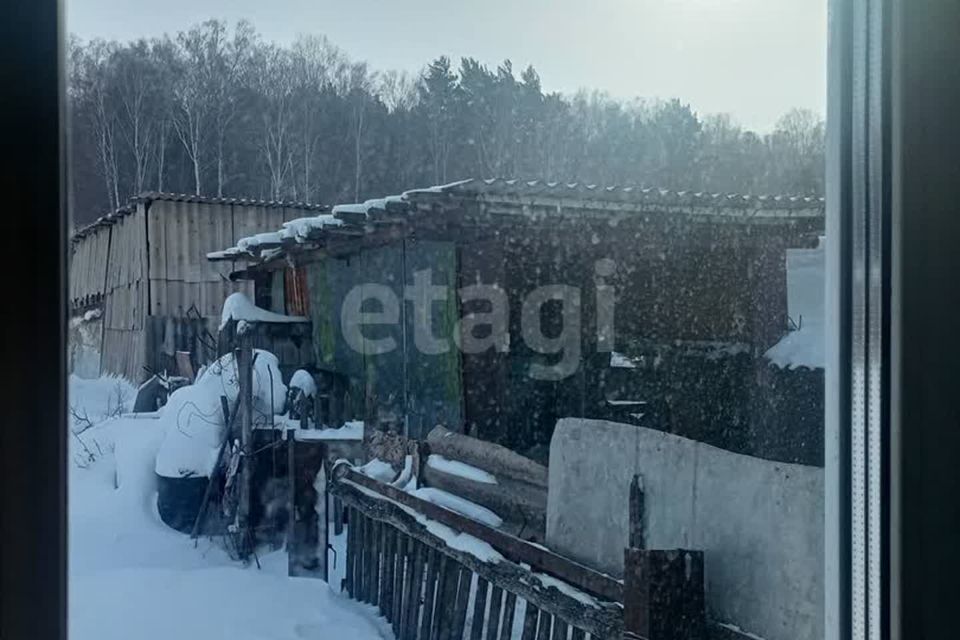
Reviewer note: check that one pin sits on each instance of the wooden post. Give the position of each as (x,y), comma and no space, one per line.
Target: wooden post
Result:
(303,402)
(463,599)
(363,548)
(398,581)
(636,596)
(509,610)
(637,535)
(324,520)
(559,629)
(411,592)
(369,550)
(430,588)
(244,360)
(545,625)
(663,595)
(375,552)
(446,598)
(530,622)
(496,601)
(291,502)
(389,540)
(479,610)
(350,553)
(337,516)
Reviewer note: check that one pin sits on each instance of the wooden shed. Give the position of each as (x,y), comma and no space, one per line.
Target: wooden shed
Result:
(145,265)
(698,279)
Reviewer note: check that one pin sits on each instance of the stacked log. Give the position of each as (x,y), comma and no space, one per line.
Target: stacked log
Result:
(519,495)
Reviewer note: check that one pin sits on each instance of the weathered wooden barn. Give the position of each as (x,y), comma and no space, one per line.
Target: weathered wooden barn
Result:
(700,290)
(145,266)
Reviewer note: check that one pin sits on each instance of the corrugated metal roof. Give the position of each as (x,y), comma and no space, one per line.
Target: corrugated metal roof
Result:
(516,195)
(586,193)
(150,196)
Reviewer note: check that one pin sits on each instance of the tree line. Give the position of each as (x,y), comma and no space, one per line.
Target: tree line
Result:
(215,110)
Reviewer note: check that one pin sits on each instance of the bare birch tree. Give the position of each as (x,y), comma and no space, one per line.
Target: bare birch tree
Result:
(228,66)
(91,85)
(136,88)
(275,88)
(191,102)
(314,61)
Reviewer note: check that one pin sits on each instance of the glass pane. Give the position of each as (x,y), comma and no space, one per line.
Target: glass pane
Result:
(507,321)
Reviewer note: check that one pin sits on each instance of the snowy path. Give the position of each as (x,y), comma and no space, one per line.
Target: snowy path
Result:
(132,578)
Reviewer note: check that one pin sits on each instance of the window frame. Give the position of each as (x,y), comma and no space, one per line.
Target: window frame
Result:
(892,441)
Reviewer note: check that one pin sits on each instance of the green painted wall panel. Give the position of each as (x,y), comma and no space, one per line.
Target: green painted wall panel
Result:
(407,388)
(434,380)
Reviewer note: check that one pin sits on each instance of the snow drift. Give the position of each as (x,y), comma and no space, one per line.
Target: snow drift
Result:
(130,576)
(192,420)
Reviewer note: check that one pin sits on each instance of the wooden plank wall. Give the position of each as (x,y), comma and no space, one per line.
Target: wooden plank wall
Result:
(88,264)
(182,233)
(157,258)
(126,297)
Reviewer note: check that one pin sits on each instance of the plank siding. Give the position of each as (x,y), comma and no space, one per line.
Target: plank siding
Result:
(125,297)
(152,263)
(88,266)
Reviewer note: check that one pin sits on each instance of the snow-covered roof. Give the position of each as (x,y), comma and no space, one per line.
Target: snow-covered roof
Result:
(301,228)
(518,196)
(259,239)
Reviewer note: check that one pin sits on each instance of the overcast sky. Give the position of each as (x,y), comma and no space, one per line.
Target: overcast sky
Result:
(754,59)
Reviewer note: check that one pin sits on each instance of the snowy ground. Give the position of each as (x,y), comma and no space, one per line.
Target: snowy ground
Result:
(132,578)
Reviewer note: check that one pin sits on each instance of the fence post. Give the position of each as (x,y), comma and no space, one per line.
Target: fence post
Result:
(637,535)
(244,361)
(663,594)
(662,590)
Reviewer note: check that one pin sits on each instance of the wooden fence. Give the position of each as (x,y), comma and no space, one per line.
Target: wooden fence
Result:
(405,556)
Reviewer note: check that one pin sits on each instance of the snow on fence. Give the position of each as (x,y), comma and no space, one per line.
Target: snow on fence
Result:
(436,574)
